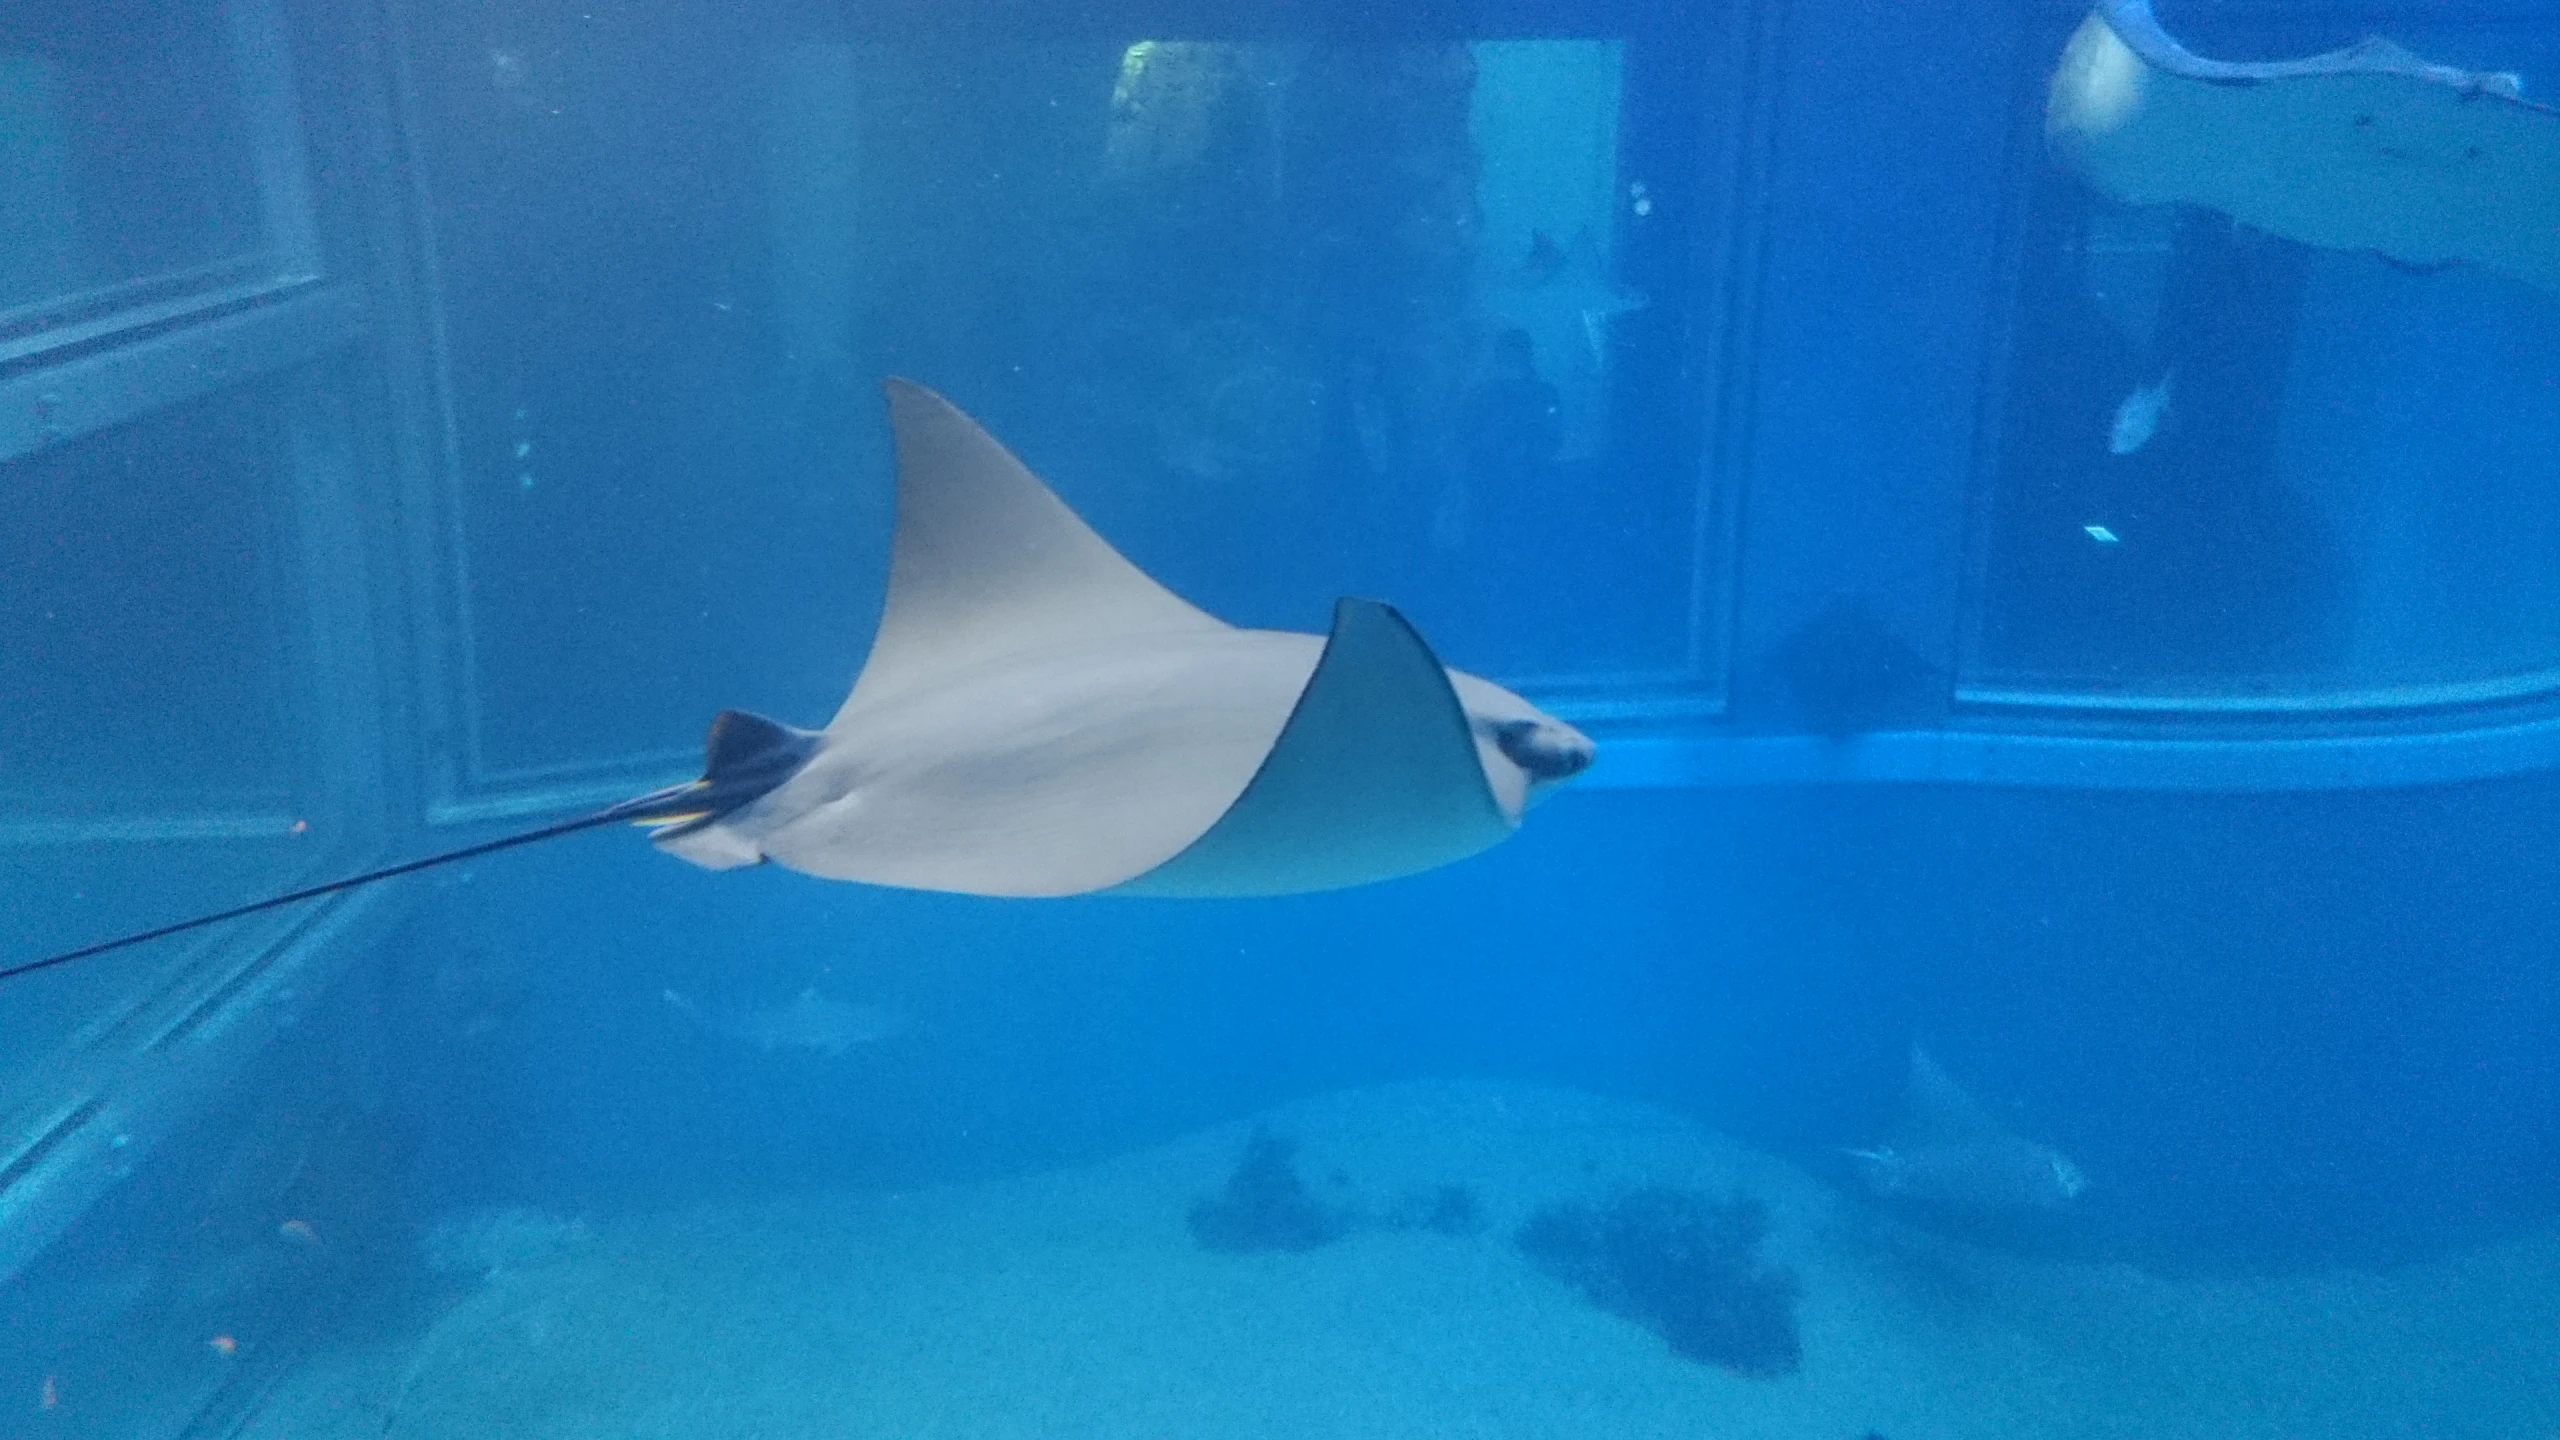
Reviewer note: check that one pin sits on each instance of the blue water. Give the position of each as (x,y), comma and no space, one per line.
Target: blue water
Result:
(1808,445)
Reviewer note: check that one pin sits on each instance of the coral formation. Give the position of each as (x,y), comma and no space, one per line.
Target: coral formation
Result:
(1264,1205)
(1684,1266)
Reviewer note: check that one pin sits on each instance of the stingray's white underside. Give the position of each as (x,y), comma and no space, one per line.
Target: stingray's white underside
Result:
(1039,718)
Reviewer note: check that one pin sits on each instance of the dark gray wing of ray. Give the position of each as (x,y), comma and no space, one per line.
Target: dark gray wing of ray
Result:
(1375,775)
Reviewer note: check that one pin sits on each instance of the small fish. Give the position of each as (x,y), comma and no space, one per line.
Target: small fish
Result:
(2139,414)
(299,1232)
(809,1021)
(51,1396)
(223,1345)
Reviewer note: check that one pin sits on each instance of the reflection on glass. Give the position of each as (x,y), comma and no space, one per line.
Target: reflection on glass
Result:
(125,150)
(2238,468)
(1361,311)
(1368,314)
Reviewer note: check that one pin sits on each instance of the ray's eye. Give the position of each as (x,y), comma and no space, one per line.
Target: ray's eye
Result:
(1545,751)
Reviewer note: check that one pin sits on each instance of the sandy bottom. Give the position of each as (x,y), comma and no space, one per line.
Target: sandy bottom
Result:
(1076,1304)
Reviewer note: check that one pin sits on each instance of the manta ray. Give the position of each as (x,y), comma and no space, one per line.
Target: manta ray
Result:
(1948,1151)
(1037,717)
(2366,148)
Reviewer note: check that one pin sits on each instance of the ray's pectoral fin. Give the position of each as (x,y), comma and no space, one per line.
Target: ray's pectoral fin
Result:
(1375,775)
(2368,148)
(1938,1111)
(744,757)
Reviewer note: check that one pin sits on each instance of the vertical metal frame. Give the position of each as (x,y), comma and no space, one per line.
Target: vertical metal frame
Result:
(2045,25)
(456,784)
(261,57)
(1735,139)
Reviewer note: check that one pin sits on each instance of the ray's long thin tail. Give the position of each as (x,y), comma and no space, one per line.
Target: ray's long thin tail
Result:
(743,756)
(657,806)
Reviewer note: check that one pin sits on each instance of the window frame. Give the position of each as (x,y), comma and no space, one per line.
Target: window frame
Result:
(313,320)
(467,787)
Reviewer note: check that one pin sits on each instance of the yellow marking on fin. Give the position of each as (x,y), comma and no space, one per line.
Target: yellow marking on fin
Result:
(655,822)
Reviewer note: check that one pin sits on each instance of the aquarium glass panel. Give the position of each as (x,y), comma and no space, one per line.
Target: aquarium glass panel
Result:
(2235,468)
(140,581)
(127,154)
(147,762)
(1283,321)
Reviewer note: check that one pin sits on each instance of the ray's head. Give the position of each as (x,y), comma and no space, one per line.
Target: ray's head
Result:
(1546,749)
(1526,752)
